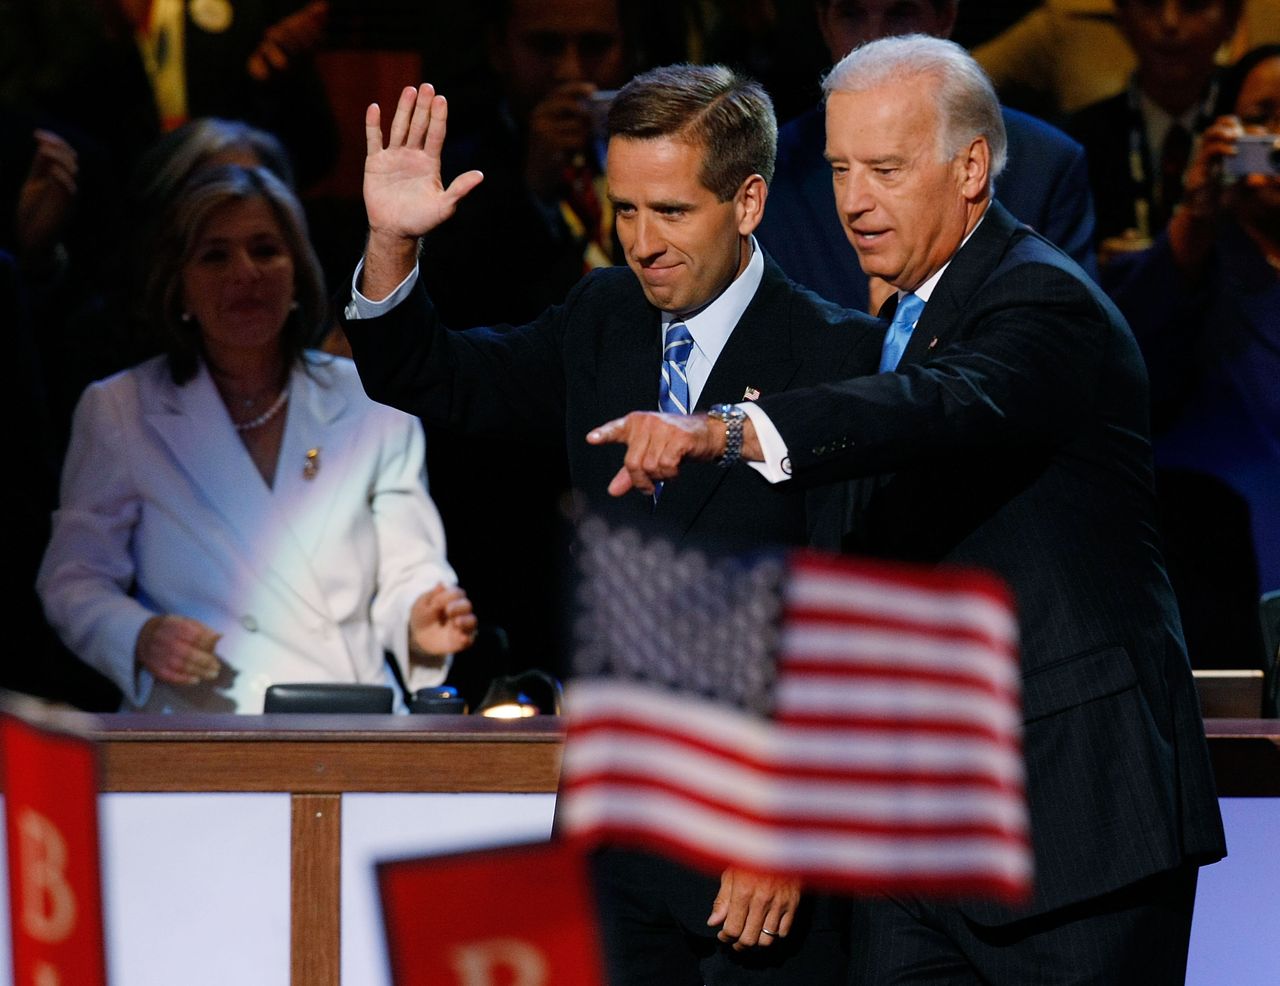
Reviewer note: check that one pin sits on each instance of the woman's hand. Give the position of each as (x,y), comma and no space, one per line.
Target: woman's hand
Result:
(441,622)
(178,650)
(1203,190)
(1204,196)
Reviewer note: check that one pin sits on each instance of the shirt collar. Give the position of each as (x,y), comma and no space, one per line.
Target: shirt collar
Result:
(711,326)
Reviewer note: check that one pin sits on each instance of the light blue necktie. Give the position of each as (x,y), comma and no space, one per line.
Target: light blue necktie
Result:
(673,391)
(673,388)
(895,340)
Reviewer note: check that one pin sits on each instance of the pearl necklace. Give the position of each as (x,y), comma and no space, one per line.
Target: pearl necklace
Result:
(265,416)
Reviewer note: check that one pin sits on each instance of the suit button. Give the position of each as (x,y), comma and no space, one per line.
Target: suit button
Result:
(249,623)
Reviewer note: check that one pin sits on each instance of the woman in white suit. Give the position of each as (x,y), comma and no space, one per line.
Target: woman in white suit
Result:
(237,513)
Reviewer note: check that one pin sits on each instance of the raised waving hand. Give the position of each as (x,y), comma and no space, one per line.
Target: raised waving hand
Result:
(404,194)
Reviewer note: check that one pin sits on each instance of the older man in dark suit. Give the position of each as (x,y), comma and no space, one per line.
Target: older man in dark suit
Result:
(1001,423)
(1045,183)
(701,317)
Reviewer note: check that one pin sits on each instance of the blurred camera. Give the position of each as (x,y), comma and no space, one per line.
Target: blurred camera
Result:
(1256,154)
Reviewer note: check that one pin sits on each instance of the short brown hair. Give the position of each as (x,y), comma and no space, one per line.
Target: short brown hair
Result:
(180,228)
(729,115)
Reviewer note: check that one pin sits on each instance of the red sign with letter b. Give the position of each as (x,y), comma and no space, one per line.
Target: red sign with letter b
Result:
(510,917)
(55,887)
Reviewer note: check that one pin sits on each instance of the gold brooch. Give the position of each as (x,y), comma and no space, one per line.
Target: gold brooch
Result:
(312,465)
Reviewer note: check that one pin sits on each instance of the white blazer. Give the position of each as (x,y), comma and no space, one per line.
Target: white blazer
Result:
(162,511)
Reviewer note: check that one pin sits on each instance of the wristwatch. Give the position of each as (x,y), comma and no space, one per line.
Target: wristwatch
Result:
(734,418)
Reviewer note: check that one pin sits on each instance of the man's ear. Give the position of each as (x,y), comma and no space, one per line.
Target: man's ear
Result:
(975,162)
(749,203)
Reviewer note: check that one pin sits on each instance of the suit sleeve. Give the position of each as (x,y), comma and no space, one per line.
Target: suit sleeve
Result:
(88,567)
(480,381)
(411,543)
(1027,367)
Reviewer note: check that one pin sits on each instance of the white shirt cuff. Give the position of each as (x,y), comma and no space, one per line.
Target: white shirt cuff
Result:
(361,307)
(776,466)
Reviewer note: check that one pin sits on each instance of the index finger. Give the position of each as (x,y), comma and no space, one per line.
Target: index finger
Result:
(610,431)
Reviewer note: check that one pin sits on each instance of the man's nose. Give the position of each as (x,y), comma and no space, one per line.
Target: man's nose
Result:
(853,197)
(648,241)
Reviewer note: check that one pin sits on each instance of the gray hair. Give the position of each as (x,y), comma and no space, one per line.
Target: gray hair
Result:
(966,98)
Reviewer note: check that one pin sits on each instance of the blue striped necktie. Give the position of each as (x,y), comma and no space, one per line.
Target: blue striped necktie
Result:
(895,340)
(673,388)
(673,391)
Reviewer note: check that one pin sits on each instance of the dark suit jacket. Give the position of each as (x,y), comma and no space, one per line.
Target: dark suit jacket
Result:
(1106,130)
(1045,184)
(1014,437)
(597,357)
(1103,128)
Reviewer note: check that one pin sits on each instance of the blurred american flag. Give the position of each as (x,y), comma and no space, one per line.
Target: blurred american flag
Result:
(856,724)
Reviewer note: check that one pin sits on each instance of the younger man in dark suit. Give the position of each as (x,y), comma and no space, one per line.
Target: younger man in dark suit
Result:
(1006,429)
(701,316)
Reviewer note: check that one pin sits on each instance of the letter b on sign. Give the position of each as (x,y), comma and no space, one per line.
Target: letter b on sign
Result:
(500,962)
(51,832)
(518,916)
(48,902)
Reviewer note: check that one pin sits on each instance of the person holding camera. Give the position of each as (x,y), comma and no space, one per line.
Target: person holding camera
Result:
(1204,303)
(1139,141)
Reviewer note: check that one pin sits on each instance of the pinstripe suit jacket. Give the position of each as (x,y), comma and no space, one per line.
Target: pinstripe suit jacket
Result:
(1014,436)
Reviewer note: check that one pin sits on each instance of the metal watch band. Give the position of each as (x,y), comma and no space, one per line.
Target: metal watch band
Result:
(734,418)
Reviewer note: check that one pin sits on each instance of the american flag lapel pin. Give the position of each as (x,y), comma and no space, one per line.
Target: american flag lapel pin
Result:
(750,394)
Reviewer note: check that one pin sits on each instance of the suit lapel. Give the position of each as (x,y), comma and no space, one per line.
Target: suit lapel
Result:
(629,362)
(192,423)
(943,315)
(308,485)
(757,356)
